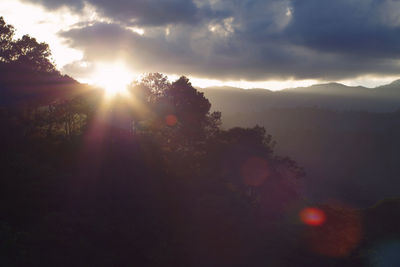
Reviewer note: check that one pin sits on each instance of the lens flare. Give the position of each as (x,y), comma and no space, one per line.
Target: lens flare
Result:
(340,233)
(312,216)
(255,171)
(171,120)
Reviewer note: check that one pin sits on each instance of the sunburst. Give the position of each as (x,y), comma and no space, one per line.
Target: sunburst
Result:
(113,78)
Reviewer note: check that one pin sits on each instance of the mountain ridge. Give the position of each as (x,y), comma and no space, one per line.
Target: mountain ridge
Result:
(336,96)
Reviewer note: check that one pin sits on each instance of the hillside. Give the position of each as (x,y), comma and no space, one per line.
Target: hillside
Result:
(348,155)
(332,95)
(333,130)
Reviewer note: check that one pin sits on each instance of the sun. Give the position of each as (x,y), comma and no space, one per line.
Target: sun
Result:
(113,78)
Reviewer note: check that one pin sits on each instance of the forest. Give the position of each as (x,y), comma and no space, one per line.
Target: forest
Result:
(154,179)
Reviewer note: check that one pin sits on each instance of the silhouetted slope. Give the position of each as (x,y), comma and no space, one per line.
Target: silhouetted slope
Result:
(20,86)
(349,156)
(347,149)
(389,90)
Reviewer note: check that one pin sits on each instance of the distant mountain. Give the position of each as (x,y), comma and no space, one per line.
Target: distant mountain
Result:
(389,90)
(350,156)
(346,137)
(335,96)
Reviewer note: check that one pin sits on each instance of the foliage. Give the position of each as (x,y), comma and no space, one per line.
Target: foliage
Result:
(25,51)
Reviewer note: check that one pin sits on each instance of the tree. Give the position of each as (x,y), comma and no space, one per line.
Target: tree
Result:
(244,159)
(190,107)
(156,85)
(6,40)
(179,112)
(33,55)
(25,52)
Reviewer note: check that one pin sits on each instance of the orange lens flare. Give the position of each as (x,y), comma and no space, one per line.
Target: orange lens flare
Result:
(171,120)
(312,216)
(338,233)
(255,171)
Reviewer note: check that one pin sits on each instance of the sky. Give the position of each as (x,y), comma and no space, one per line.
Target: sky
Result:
(271,44)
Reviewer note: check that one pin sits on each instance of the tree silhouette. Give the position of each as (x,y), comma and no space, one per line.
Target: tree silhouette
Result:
(33,55)
(6,41)
(25,52)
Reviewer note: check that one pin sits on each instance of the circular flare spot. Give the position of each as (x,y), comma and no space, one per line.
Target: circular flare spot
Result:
(254,171)
(171,120)
(338,236)
(312,216)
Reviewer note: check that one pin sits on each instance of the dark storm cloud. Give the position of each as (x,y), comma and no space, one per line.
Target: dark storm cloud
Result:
(140,12)
(248,39)
(54,4)
(363,27)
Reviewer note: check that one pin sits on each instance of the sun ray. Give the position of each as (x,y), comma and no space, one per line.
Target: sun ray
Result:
(113,78)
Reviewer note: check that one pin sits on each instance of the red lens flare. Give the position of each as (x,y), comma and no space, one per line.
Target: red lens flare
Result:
(255,171)
(339,234)
(171,120)
(312,216)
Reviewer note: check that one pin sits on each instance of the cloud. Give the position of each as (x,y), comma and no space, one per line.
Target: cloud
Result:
(140,12)
(367,28)
(245,39)
(79,69)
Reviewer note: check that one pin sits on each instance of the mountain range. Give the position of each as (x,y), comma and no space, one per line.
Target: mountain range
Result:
(345,137)
(336,96)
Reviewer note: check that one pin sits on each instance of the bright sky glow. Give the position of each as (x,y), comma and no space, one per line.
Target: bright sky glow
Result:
(273,85)
(114,78)
(43,25)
